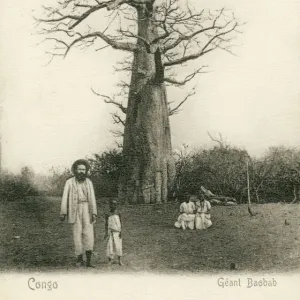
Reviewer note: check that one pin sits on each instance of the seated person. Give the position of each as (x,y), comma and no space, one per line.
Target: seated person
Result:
(202,217)
(186,218)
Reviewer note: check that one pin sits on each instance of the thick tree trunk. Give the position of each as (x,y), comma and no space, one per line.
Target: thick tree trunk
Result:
(149,169)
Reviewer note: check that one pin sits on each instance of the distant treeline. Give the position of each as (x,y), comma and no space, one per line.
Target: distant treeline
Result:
(222,169)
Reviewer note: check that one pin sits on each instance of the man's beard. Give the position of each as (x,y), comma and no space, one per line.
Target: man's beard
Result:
(80,176)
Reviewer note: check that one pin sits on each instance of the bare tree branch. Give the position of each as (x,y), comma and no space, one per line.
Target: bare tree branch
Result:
(175,110)
(186,79)
(81,17)
(128,33)
(108,99)
(117,119)
(53,55)
(187,58)
(220,141)
(113,43)
(188,37)
(125,65)
(58,19)
(203,50)
(114,4)
(101,48)
(117,133)
(88,13)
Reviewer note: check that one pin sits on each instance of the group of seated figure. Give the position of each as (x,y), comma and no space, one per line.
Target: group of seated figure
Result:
(194,215)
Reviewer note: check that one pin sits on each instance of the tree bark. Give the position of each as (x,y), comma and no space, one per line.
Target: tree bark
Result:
(149,168)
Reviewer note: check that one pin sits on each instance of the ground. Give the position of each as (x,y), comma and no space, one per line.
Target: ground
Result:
(33,239)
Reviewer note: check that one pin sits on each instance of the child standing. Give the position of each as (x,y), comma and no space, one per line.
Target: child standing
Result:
(113,227)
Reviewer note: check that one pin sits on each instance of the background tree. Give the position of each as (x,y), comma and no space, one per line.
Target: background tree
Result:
(221,170)
(161,37)
(261,170)
(182,163)
(14,187)
(57,180)
(105,172)
(283,180)
(27,177)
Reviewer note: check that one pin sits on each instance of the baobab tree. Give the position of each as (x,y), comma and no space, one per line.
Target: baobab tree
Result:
(162,37)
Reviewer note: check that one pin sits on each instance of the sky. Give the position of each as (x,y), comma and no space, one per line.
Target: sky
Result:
(50,116)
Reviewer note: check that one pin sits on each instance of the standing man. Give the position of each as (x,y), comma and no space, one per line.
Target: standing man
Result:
(78,205)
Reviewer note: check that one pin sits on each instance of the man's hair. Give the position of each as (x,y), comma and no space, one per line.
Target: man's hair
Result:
(80,162)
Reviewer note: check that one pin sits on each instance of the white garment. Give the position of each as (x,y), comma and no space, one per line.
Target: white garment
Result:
(82,191)
(187,208)
(114,242)
(187,216)
(70,199)
(202,218)
(83,229)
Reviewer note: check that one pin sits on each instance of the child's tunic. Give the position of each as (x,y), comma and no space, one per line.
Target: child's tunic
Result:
(114,242)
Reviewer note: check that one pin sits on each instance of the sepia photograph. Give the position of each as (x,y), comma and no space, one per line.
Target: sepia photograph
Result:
(157,137)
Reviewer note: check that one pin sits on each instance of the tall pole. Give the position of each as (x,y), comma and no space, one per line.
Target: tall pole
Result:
(252,214)
(248,183)
(0,138)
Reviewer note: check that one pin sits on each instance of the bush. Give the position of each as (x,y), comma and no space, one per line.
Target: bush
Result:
(275,176)
(17,187)
(57,180)
(105,172)
(220,169)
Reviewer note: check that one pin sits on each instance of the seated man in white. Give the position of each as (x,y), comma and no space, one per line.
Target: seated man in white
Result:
(202,218)
(186,218)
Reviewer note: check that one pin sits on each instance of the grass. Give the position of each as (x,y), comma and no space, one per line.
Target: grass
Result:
(151,243)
